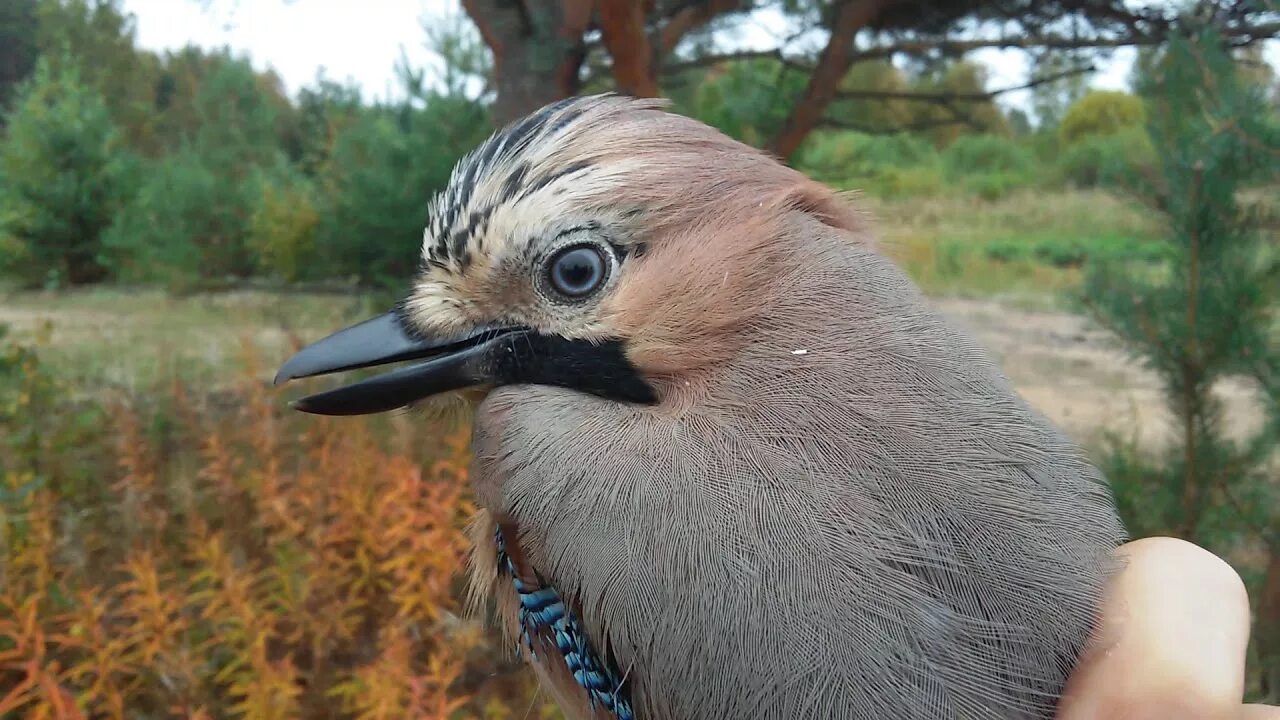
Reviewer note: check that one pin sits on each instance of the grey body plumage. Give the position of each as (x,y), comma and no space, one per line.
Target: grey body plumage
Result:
(819,553)
(773,482)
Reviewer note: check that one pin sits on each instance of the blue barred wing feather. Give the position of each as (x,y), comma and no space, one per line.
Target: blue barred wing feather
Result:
(543,609)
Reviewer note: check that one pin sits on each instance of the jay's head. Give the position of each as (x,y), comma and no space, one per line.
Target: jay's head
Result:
(601,244)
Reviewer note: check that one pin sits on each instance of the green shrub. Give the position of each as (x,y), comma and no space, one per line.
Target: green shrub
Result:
(900,150)
(44,427)
(851,154)
(987,154)
(282,230)
(1008,251)
(823,152)
(1043,145)
(1073,251)
(1146,501)
(63,174)
(900,165)
(911,182)
(989,166)
(191,219)
(948,261)
(992,186)
(187,223)
(1100,112)
(25,388)
(747,100)
(1115,160)
(376,183)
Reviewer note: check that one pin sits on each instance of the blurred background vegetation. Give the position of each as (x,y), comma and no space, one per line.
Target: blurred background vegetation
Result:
(174,543)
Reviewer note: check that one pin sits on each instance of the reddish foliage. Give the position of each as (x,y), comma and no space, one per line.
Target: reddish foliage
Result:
(244,561)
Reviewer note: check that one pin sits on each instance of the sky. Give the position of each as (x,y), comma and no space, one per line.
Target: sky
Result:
(362,41)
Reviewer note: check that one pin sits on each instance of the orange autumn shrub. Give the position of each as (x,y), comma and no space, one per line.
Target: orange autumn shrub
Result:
(220,556)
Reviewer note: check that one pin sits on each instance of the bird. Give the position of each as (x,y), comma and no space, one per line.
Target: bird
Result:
(729,460)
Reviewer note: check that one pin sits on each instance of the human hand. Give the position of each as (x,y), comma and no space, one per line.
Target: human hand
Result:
(1172,642)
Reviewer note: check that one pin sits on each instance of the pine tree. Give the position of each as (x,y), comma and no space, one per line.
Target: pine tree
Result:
(1207,314)
(64,172)
(190,220)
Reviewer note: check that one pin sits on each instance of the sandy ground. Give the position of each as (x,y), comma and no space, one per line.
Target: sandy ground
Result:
(1080,377)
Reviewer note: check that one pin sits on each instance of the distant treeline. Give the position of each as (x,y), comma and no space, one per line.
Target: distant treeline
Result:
(117,164)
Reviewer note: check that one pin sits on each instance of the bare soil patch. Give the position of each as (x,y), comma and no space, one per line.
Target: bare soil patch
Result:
(1080,377)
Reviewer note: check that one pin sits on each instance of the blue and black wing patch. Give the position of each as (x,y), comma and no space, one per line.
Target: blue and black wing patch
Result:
(542,608)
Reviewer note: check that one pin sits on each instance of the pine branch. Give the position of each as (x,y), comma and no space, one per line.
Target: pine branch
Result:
(947,97)
(959,47)
(691,17)
(833,63)
(1243,35)
(1189,365)
(918,126)
(719,58)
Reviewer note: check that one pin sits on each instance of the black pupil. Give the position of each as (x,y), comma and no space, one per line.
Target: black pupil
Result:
(578,271)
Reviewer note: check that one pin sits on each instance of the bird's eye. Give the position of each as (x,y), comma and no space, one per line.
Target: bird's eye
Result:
(577,271)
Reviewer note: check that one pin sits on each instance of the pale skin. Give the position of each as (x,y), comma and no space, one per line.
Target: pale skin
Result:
(1172,646)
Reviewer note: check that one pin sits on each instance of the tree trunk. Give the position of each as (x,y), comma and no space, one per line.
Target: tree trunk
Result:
(833,63)
(1268,633)
(1194,389)
(537,48)
(622,28)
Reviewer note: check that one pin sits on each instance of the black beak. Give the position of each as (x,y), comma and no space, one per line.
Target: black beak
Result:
(450,364)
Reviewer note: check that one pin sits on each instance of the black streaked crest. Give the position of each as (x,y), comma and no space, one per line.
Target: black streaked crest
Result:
(457,218)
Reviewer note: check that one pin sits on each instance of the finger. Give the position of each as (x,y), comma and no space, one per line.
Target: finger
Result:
(1260,712)
(1175,626)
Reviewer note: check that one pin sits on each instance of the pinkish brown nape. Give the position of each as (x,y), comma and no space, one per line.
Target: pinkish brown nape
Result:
(730,462)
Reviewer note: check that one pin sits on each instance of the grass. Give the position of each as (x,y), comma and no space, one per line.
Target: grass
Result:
(121,339)
(958,245)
